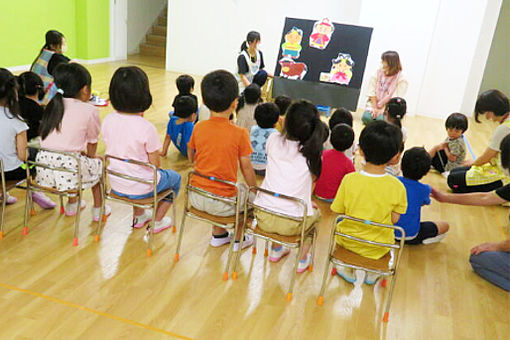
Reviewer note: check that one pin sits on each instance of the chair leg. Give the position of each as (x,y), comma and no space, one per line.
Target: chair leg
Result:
(238,255)
(150,235)
(102,218)
(320,299)
(77,222)
(27,210)
(293,278)
(61,199)
(386,314)
(266,250)
(179,239)
(230,254)
(174,219)
(314,241)
(4,202)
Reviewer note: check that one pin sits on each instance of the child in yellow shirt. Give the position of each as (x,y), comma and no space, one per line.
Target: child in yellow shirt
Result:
(371,194)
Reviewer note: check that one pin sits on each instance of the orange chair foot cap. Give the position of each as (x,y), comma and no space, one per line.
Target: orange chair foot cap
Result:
(383,283)
(105,218)
(266,253)
(386,317)
(62,211)
(234,276)
(254,250)
(320,300)
(149,252)
(310,268)
(176,258)
(289,296)
(174,229)
(1,235)
(75,242)
(333,271)
(225,276)
(32,212)
(97,238)
(25,230)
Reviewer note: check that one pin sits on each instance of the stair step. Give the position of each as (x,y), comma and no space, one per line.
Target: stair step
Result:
(159,30)
(149,49)
(158,40)
(162,21)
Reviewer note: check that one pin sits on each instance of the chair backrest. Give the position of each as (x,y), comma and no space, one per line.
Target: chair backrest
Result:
(397,247)
(72,155)
(109,172)
(229,200)
(301,203)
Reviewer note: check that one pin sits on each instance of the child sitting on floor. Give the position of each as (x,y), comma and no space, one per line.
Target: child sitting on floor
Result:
(451,153)
(181,125)
(372,195)
(218,148)
(185,85)
(394,112)
(283,103)
(246,107)
(335,164)
(294,162)
(266,116)
(342,116)
(415,165)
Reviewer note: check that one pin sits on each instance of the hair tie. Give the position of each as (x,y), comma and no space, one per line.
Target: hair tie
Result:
(60,91)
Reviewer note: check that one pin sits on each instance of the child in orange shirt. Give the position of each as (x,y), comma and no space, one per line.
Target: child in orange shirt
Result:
(218,148)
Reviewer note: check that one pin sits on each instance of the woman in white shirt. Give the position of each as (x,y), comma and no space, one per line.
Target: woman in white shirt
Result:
(250,63)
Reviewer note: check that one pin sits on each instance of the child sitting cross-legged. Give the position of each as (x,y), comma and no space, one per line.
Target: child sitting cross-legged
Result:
(342,116)
(372,195)
(218,148)
(415,165)
(335,164)
(180,126)
(266,116)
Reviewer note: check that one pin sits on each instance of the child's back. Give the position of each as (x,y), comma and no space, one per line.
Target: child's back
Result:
(266,116)
(181,124)
(246,108)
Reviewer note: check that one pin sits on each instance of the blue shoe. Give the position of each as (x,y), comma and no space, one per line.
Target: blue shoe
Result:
(346,274)
(371,278)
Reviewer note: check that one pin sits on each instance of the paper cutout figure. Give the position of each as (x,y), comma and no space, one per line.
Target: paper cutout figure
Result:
(292,70)
(321,34)
(292,45)
(341,70)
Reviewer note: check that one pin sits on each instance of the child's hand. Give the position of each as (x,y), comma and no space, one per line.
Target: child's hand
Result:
(443,146)
(437,195)
(481,248)
(162,154)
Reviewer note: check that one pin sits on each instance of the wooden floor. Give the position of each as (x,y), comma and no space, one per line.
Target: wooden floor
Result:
(111,290)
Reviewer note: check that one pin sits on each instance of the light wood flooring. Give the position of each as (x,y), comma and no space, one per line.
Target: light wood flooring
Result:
(111,290)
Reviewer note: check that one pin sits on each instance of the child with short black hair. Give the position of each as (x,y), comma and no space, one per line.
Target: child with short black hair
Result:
(342,116)
(248,101)
(180,126)
(283,103)
(335,164)
(185,85)
(416,164)
(372,195)
(219,148)
(451,153)
(266,115)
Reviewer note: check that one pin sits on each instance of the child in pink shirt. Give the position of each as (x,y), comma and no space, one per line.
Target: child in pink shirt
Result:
(128,135)
(70,124)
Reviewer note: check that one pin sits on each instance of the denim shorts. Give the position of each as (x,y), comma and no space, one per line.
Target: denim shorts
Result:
(169,180)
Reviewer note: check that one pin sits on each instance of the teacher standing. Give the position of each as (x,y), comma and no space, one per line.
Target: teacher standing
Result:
(250,63)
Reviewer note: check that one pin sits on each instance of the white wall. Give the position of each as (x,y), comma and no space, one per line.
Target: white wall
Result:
(141,14)
(442,43)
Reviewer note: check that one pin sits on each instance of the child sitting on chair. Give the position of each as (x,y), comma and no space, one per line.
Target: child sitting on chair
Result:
(372,195)
(451,153)
(266,116)
(180,126)
(218,148)
(415,165)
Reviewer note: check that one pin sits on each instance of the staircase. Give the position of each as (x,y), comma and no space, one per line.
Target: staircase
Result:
(155,40)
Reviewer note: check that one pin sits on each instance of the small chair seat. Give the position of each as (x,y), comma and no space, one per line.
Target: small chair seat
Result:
(218,219)
(34,184)
(143,201)
(348,257)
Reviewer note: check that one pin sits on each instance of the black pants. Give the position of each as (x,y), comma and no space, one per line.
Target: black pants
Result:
(16,174)
(439,161)
(457,182)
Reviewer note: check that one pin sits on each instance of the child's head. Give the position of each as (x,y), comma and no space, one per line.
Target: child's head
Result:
(283,103)
(380,141)
(129,90)
(493,103)
(342,137)
(251,94)
(185,84)
(30,84)
(340,116)
(9,92)
(303,124)
(185,106)
(55,41)
(72,81)
(391,63)
(396,110)
(456,124)
(415,163)
(267,115)
(220,91)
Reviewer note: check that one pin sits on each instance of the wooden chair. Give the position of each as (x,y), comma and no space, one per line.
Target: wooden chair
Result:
(33,186)
(6,186)
(145,203)
(293,242)
(386,266)
(230,223)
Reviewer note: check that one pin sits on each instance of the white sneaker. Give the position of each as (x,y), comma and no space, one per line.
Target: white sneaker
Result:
(371,278)
(346,273)
(72,208)
(434,239)
(165,223)
(141,220)
(304,264)
(10,199)
(218,242)
(97,211)
(277,254)
(247,242)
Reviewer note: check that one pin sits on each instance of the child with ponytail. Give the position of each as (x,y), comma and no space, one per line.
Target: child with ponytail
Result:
(31,90)
(393,114)
(71,124)
(13,137)
(293,164)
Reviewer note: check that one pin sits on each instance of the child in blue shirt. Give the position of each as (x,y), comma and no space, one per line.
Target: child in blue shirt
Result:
(180,126)
(266,116)
(416,164)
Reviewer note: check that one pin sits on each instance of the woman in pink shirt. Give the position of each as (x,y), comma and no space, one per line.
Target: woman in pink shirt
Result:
(70,124)
(128,135)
